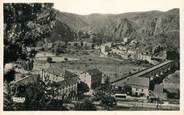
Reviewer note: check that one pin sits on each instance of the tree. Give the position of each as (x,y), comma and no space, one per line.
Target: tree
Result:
(127,89)
(107,84)
(24,25)
(82,44)
(93,46)
(86,105)
(82,88)
(7,101)
(107,81)
(98,95)
(49,59)
(66,59)
(108,101)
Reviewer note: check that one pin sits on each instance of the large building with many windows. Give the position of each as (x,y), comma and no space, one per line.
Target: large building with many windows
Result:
(64,81)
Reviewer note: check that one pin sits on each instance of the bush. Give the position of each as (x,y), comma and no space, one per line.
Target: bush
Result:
(66,59)
(49,59)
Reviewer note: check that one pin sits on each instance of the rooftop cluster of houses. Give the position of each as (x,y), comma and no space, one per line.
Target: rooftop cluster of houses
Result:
(124,52)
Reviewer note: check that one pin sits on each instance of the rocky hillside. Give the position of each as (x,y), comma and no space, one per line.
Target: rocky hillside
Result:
(148,28)
(61,32)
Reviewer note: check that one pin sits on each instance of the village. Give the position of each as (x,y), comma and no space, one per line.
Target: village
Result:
(110,76)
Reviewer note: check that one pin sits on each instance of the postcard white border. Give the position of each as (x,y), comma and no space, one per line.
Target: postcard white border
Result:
(180,112)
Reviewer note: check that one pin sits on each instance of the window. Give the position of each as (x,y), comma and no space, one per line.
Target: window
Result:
(142,90)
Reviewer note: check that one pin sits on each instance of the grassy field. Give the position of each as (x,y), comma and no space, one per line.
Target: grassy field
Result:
(113,68)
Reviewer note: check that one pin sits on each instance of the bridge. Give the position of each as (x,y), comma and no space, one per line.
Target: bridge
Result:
(152,72)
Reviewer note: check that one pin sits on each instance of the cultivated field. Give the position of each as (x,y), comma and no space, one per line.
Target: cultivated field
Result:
(113,68)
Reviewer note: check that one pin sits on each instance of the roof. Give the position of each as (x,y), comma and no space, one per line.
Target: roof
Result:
(67,82)
(75,71)
(69,74)
(59,70)
(55,69)
(94,72)
(138,81)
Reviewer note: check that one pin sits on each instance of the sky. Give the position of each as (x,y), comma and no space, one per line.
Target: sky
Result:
(114,6)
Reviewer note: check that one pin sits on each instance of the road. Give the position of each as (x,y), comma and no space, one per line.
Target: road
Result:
(148,105)
(152,106)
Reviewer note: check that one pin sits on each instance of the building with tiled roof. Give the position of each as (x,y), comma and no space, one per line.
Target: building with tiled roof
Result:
(56,73)
(63,80)
(139,85)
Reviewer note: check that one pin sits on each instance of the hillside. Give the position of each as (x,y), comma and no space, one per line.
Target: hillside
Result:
(61,32)
(148,28)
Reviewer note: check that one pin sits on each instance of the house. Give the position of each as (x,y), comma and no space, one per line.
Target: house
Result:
(91,77)
(56,73)
(139,85)
(143,56)
(103,50)
(147,57)
(53,74)
(125,39)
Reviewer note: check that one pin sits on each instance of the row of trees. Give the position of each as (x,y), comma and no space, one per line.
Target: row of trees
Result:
(24,25)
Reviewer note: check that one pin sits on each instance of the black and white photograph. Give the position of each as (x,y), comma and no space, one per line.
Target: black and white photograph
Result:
(91,55)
